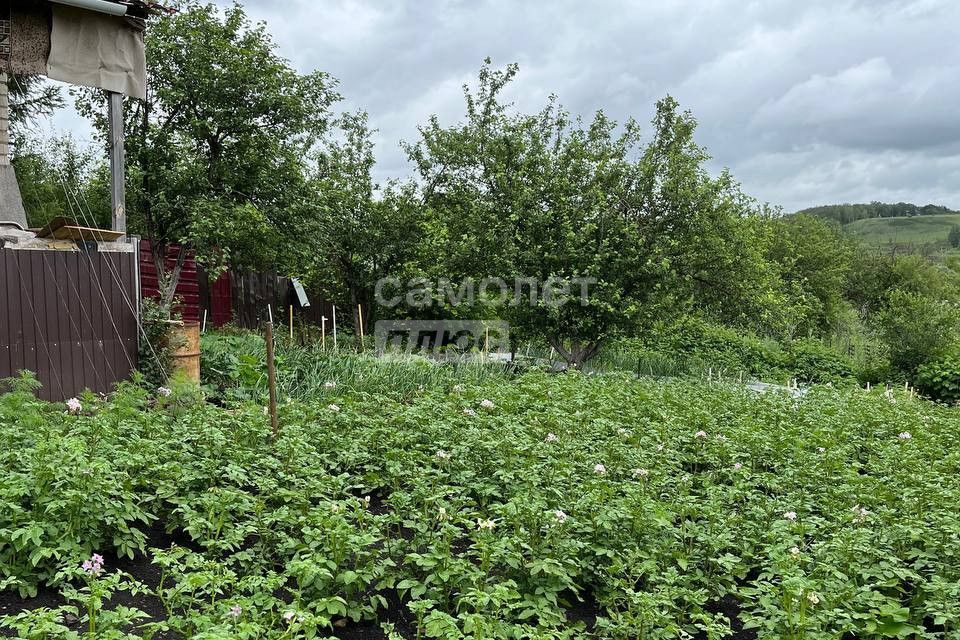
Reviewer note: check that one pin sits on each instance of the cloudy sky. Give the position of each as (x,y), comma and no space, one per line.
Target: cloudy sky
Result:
(807,103)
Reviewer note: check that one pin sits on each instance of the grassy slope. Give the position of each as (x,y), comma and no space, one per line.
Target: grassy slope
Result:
(917,230)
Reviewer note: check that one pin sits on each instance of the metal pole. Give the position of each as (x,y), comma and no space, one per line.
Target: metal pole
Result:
(117,169)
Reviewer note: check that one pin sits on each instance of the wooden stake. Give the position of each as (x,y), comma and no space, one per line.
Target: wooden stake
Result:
(4,119)
(272,381)
(360,319)
(323,332)
(291,323)
(335,328)
(486,342)
(203,327)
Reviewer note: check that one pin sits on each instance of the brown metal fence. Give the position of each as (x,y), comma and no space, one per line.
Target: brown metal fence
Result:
(68,316)
(252,292)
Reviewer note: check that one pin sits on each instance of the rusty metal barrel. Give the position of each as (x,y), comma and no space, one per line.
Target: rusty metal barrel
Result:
(185,340)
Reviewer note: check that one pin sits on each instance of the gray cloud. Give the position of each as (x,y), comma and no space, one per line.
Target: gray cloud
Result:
(806,103)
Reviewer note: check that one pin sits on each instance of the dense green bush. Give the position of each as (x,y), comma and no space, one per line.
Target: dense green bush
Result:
(918,329)
(156,347)
(812,361)
(940,380)
(723,349)
(693,346)
(233,364)
(861,344)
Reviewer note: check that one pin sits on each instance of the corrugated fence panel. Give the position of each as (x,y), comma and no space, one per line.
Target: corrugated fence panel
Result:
(216,300)
(221,300)
(68,316)
(188,287)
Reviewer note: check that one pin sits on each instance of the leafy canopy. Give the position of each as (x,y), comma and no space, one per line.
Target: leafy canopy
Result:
(217,153)
(553,198)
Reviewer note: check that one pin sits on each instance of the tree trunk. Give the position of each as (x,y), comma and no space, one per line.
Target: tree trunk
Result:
(167,282)
(353,310)
(578,353)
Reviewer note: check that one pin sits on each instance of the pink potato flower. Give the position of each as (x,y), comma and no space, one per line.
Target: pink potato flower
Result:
(93,566)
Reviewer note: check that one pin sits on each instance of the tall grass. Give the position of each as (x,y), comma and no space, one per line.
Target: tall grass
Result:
(234,368)
(616,358)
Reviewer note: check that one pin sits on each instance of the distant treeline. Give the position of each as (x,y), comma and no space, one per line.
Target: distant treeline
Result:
(846,213)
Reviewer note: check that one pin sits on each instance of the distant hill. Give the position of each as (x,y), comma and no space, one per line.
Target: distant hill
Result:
(900,227)
(926,235)
(847,213)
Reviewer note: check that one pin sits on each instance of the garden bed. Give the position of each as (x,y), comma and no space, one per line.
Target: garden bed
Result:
(542,506)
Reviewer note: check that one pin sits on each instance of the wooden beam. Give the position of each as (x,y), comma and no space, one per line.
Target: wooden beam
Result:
(4,120)
(117,168)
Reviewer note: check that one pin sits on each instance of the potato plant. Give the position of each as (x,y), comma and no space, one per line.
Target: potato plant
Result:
(545,506)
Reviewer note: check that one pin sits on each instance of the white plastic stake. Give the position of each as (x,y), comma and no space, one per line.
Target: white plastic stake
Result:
(335,327)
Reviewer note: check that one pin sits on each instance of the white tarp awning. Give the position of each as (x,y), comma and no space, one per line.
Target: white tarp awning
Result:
(97,50)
